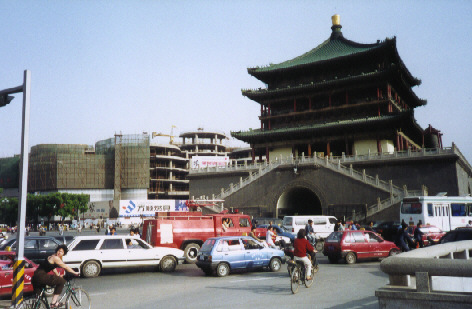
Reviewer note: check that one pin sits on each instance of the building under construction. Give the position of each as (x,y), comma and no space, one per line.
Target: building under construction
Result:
(117,168)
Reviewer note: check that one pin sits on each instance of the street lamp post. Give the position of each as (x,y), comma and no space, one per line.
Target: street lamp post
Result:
(19,266)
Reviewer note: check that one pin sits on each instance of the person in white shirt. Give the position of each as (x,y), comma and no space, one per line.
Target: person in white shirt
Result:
(469,224)
(269,236)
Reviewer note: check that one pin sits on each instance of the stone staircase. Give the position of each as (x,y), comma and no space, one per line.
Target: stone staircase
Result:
(257,171)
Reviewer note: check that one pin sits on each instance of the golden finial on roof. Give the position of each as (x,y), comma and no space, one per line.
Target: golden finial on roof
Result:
(336,20)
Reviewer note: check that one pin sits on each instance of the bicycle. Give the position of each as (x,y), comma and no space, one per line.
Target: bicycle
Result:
(73,297)
(296,270)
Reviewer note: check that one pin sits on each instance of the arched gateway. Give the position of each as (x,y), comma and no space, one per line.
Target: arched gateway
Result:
(298,200)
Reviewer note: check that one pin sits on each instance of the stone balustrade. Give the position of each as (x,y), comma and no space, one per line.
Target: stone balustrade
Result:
(439,276)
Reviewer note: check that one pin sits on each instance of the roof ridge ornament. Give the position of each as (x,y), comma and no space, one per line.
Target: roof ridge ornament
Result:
(336,19)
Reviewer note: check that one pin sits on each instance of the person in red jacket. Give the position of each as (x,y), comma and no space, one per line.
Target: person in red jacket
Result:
(301,247)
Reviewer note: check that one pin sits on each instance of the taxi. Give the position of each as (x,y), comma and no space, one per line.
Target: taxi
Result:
(7,258)
(226,254)
(356,245)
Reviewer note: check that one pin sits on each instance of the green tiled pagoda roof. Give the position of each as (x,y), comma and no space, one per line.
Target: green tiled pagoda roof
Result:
(333,47)
(251,135)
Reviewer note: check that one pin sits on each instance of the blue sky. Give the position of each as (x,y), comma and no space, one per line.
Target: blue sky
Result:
(103,67)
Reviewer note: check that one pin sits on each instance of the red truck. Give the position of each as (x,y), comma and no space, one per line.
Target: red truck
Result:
(189,230)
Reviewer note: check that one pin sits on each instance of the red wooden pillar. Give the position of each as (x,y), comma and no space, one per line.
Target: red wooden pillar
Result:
(267,153)
(379,147)
(309,150)
(262,114)
(328,149)
(269,109)
(389,90)
(378,94)
(398,142)
(253,154)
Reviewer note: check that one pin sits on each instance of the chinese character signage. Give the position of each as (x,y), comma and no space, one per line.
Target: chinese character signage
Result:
(136,208)
(209,161)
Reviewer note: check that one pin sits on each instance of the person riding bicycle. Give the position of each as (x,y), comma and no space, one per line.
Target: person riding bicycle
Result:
(301,247)
(41,277)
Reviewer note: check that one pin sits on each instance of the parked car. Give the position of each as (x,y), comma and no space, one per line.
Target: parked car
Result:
(356,245)
(36,248)
(226,254)
(91,254)
(64,239)
(460,233)
(388,230)
(431,234)
(7,258)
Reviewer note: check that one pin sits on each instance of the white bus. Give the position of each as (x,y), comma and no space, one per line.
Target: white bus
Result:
(445,212)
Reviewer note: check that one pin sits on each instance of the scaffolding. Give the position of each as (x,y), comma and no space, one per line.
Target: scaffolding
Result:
(65,166)
(130,159)
(10,172)
(116,163)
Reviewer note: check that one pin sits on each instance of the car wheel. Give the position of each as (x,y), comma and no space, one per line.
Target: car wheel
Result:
(168,264)
(393,252)
(319,246)
(275,264)
(333,260)
(190,252)
(351,258)
(222,270)
(91,269)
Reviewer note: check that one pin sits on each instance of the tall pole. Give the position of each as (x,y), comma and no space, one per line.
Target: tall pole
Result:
(20,237)
(19,266)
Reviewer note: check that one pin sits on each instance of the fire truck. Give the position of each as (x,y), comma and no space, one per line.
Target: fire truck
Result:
(189,230)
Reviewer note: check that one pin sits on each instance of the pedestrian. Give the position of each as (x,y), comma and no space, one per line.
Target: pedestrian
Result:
(112,232)
(404,238)
(418,235)
(469,224)
(370,227)
(269,240)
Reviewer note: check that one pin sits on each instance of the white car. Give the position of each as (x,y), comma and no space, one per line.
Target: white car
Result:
(92,253)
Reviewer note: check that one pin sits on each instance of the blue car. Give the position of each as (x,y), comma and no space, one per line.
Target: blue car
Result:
(226,254)
(280,231)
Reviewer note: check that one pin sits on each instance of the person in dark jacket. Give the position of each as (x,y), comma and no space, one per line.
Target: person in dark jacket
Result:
(405,239)
(418,235)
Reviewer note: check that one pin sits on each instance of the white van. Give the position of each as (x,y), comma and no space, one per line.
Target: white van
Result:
(322,225)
